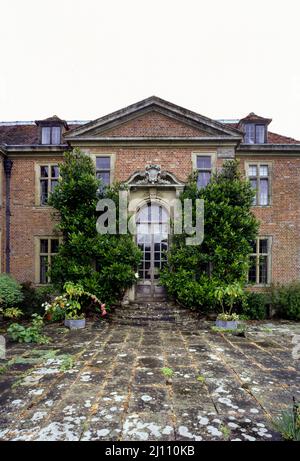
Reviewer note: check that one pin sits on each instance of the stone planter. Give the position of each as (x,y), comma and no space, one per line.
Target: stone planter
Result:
(227,324)
(75,324)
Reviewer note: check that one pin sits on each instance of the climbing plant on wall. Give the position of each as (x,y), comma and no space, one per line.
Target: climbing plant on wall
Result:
(194,272)
(104,264)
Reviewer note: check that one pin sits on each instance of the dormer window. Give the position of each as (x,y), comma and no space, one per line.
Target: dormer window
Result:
(51,130)
(255,133)
(51,135)
(255,128)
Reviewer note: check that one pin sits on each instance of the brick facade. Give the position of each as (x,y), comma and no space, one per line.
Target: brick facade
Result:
(27,219)
(281,220)
(153,124)
(172,136)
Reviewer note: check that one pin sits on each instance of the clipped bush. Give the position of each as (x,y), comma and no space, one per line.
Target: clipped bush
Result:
(256,306)
(10,291)
(195,294)
(285,300)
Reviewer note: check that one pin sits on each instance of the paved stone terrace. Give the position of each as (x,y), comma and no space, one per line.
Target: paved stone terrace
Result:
(224,387)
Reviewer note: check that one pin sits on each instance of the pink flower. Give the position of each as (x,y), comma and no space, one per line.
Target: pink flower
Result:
(103,313)
(103,306)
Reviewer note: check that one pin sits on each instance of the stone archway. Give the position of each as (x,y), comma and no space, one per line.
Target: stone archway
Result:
(152,191)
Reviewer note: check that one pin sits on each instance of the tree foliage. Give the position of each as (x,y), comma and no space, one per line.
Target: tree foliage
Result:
(103,264)
(194,273)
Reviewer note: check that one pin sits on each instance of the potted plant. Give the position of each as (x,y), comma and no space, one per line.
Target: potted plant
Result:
(73,318)
(55,310)
(69,305)
(228,296)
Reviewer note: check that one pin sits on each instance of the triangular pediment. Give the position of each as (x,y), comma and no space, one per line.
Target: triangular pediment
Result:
(152,123)
(152,118)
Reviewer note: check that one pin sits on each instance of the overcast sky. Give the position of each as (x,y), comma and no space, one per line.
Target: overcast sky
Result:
(81,59)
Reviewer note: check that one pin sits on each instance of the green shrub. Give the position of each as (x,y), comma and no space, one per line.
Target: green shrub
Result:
(256,306)
(31,334)
(11,312)
(104,265)
(10,291)
(194,272)
(34,297)
(285,300)
(195,294)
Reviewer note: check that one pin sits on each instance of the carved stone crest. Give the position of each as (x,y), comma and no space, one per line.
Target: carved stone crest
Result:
(153,175)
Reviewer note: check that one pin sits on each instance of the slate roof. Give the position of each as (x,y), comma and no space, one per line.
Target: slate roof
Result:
(273,138)
(27,133)
(22,134)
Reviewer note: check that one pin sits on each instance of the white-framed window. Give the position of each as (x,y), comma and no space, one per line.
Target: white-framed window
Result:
(204,168)
(103,169)
(48,175)
(260,261)
(51,135)
(204,163)
(255,133)
(47,248)
(259,177)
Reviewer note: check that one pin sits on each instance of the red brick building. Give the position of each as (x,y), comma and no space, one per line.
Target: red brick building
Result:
(123,144)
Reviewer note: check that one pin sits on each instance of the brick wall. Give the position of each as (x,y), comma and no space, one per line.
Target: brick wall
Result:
(129,160)
(153,124)
(281,220)
(27,220)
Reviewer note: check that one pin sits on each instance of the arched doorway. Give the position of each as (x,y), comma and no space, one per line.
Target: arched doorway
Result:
(152,237)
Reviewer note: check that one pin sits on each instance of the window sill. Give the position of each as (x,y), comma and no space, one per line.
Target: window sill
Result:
(261,285)
(261,206)
(43,207)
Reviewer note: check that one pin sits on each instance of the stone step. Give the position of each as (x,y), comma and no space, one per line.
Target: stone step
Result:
(149,306)
(163,318)
(149,324)
(146,309)
(147,314)
(146,317)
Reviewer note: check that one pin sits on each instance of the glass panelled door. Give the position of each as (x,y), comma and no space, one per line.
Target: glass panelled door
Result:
(152,239)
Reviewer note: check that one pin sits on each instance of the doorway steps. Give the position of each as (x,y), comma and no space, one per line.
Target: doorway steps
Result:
(146,313)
